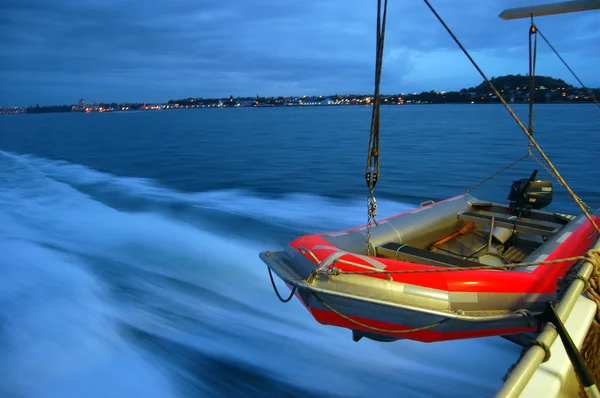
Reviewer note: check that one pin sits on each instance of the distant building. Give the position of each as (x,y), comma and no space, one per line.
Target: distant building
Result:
(245,103)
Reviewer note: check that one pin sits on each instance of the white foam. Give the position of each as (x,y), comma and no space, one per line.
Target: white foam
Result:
(300,210)
(68,317)
(56,332)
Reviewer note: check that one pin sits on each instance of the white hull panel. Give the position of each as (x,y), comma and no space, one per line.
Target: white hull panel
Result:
(556,377)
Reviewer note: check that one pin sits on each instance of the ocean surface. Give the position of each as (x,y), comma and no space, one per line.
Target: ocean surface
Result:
(129,244)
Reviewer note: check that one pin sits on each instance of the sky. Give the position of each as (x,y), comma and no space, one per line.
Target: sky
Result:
(55,52)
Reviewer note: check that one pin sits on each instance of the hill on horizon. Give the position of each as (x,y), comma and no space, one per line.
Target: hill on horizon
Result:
(512,82)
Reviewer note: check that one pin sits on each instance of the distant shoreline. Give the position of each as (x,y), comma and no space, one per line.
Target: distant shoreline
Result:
(512,88)
(96,109)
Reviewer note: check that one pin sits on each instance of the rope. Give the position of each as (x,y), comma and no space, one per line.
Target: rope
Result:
(372,169)
(544,347)
(277,291)
(373,328)
(502,170)
(551,174)
(569,68)
(533,30)
(590,349)
(524,350)
(398,250)
(532,141)
(337,271)
(532,64)
(514,365)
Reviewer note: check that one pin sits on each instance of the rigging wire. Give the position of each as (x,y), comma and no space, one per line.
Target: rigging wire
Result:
(569,68)
(532,140)
(532,64)
(372,169)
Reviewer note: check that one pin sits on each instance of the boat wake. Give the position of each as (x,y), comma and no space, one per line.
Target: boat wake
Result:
(118,286)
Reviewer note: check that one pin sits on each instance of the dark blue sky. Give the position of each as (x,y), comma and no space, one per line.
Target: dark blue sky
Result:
(54,52)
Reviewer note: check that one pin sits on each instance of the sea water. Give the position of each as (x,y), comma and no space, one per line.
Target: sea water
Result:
(129,244)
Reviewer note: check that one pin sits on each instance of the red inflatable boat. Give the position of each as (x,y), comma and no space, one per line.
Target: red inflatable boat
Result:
(451,270)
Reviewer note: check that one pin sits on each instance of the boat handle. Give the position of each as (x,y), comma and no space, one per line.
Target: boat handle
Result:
(307,251)
(430,202)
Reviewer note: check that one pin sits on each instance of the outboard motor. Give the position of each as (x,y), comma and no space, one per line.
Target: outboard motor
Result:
(528,193)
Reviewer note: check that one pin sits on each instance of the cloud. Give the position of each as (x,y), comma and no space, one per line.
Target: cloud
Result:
(55,52)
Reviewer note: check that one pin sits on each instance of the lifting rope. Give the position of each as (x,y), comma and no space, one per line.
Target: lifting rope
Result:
(376,329)
(590,349)
(593,256)
(532,142)
(372,170)
(534,30)
(532,64)
(570,70)
(591,346)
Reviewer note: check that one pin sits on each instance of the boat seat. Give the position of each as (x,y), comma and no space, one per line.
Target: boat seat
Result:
(502,220)
(412,254)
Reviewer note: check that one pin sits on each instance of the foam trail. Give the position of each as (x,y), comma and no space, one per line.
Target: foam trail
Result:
(139,288)
(298,211)
(56,333)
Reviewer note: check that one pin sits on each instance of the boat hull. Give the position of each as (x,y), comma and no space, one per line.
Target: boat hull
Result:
(421,294)
(386,321)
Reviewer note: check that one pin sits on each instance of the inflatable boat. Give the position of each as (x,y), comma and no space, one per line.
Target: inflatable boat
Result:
(449,270)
